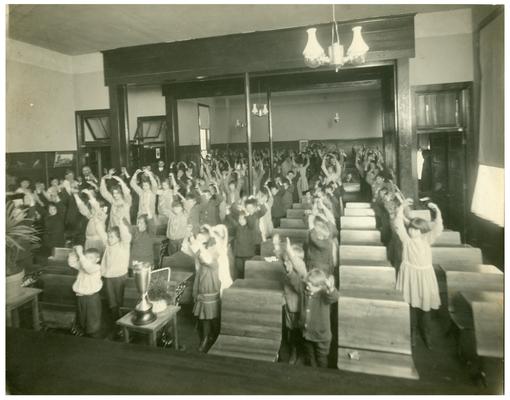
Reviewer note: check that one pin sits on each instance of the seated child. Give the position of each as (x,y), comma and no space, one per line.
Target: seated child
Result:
(316,293)
(87,286)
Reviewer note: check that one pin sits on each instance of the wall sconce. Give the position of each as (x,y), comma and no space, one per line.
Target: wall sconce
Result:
(336,118)
(239,124)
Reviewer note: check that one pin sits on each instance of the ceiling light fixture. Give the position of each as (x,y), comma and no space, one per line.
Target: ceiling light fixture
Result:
(315,56)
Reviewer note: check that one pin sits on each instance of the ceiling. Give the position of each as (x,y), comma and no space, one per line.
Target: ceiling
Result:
(81,29)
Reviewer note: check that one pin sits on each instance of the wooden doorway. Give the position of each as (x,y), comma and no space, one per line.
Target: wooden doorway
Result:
(93,140)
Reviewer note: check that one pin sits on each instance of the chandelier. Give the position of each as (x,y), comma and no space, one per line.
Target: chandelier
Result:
(259,110)
(315,56)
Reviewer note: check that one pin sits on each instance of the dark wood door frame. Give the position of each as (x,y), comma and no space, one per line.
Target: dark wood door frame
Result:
(80,117)
(470,159)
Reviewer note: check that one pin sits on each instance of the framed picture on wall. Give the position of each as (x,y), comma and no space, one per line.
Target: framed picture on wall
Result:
(63,160)
(303,144)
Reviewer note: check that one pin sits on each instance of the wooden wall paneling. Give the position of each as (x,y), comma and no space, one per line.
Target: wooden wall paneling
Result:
(388,120)
(172,125)
(389,38)
(407,143)
(119,125)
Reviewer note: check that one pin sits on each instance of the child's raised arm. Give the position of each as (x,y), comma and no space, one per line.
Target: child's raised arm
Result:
(125,234)
(437,225)
(104,191)
(134,184)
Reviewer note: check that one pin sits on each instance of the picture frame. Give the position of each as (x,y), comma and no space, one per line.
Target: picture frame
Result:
(63,159)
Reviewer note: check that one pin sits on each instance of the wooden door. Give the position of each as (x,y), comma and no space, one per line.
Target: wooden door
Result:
(448,178)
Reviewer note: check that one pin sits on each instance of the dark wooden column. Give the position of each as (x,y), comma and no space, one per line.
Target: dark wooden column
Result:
(119,125)
(248,129)
(407,142)
(172,126)
(388,120)
(270,133)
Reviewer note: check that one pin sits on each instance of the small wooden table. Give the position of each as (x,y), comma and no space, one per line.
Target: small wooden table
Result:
(152,329)
(12,305)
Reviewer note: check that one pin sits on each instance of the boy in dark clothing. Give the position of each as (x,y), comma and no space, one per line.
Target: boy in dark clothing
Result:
(254,213)
(54,227)
(282,200)
(210,206)
(243,243)
(319,247)
(316,294)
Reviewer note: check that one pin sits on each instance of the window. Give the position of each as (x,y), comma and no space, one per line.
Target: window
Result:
(204,129)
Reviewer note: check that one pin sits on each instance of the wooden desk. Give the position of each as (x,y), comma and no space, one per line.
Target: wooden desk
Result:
(152,329)
(12,304)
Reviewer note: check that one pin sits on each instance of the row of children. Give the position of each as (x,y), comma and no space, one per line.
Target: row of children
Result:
(408,241)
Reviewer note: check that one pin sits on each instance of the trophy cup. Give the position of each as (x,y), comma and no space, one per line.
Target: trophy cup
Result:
(143,310)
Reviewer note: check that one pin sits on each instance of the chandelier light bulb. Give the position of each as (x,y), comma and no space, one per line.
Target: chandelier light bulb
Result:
(313,52)
(358,49)
(265,111)
(254,109)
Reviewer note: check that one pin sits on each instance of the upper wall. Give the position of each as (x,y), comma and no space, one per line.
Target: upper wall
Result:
(444,48)
(304,116)
(59,85)
(39,100)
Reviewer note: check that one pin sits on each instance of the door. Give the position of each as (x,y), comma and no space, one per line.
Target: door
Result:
(443,177)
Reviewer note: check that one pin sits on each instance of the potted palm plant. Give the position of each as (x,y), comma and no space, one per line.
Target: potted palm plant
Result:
(20,238)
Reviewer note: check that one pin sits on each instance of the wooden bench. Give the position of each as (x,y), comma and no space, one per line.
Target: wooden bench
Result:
(374,333)
(182,274)
(273,271)
(292,234)
(363,223)
(348,253)
(267,248)
(359,212)
(482,312)
(357,204)
(296,213)
(448,238)
(458,281)
(59,256)
(348,236)
(251,322)
(480,268)
(291,223)
(457,255)
(352,187)
(367,277)
(300,206)
(58,300)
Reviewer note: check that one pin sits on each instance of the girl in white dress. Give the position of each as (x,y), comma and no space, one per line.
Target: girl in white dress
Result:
(416,278)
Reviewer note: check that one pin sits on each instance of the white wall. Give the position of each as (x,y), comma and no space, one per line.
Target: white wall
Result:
(144,101)
(187,111)
(57,85)
(39,100)
(303,116)
(444,48)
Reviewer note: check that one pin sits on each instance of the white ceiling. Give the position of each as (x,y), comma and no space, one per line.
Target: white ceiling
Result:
(81,29)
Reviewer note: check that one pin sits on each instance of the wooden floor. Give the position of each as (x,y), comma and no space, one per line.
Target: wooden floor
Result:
(49,363)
